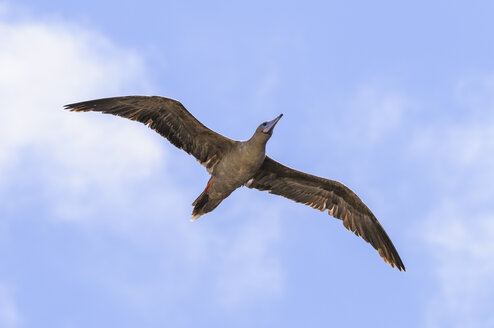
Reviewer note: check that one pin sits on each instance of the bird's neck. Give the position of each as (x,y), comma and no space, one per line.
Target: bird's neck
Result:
(258,140)
(252,152)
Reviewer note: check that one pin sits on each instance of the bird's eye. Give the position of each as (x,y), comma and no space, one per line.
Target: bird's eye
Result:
(264,124)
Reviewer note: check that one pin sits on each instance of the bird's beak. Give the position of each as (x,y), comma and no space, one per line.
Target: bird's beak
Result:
(269,127)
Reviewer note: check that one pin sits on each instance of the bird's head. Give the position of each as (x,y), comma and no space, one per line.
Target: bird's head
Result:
(266,128)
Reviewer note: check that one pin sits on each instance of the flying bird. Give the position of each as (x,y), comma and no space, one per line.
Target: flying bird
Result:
(233,164)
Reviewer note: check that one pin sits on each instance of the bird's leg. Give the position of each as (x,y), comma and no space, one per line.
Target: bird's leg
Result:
(210,183)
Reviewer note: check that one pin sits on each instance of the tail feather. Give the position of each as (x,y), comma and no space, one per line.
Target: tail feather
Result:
(198,206)
(202,205)
(201,200)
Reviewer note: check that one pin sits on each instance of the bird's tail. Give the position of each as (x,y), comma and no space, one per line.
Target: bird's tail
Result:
(203,204)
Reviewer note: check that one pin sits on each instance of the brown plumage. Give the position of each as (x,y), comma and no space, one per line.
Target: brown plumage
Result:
(236,163)
(170,119)
(323,194)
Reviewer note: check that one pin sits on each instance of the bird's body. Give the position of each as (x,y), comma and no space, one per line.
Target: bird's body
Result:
(234,170)
(238,166)
(233,164)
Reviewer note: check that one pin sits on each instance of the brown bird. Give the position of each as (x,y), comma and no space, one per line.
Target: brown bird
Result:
(233,164)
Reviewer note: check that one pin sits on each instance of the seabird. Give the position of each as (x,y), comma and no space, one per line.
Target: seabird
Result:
(233,164)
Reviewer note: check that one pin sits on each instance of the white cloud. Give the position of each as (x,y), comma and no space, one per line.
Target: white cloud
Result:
(375,114)
(46,66)
(9,314)
(462,245)
(371,115)
(459,231)
(84,164)
(248,268)
(232,257)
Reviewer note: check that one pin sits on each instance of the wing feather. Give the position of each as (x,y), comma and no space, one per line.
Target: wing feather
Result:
(333,196)
(170,119)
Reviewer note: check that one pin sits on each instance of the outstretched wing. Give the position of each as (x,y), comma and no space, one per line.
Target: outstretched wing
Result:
(324,194)
(169,118)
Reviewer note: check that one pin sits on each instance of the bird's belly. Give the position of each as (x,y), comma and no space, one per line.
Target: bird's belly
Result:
(230,175)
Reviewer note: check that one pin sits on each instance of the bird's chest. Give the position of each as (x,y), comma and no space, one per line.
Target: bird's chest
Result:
(240,165)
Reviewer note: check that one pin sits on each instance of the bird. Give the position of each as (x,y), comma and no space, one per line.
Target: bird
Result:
(233,164)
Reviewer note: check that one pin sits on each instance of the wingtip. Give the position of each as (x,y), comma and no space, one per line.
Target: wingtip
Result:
(400,266)
(395,262)
(71,107)
(399,263)
(84,106)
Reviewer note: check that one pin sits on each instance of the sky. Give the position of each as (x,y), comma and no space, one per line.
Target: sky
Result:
(394,99)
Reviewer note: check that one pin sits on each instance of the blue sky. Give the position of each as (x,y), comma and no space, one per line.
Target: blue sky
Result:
(393,99)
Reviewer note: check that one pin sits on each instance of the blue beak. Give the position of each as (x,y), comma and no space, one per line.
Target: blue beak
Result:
(270,125)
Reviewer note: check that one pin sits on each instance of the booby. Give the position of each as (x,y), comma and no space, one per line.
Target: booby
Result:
(233,164)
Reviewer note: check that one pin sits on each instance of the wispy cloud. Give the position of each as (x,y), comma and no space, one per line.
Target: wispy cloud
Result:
(44,67)
(376,113)
(373,113)
(250,265)
(9,313)
(89,169)
(459,231)
(462,245)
